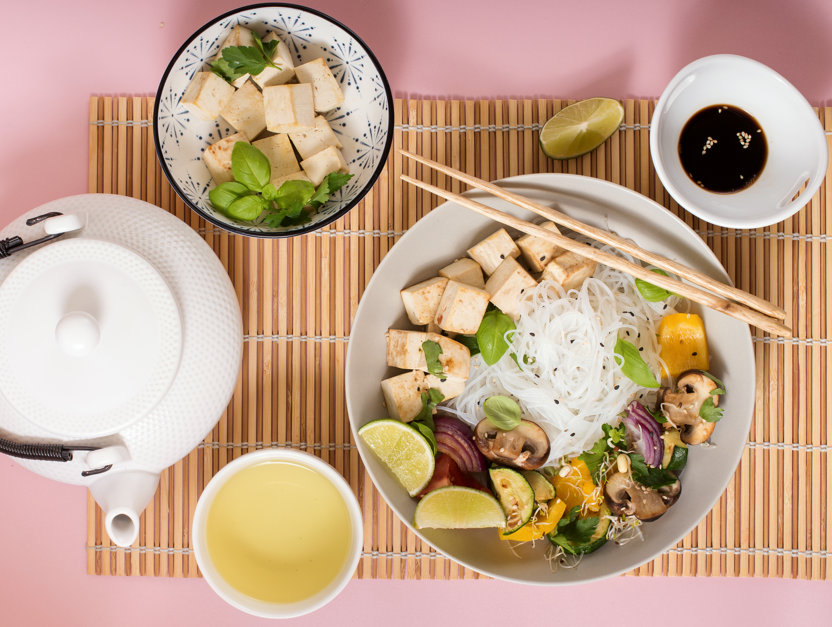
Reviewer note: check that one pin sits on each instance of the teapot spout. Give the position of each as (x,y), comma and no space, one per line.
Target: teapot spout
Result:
(123,497)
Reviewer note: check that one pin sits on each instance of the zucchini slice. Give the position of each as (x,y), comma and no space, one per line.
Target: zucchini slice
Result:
(515,495)
(544,491)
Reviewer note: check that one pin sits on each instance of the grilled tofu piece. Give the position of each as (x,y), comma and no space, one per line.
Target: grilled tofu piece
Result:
(507,285)
(289,108)
(206,95)
(450,387)
(462,308)
(282,58)
(278,149)
(493,250)
(244,110)
(297,176)
(570,270)
(310,143)
(465,271)
(403,393)
(239,36)
(538,252)
(218,157)
(324,163)
(422,300)
(404,350)
(327,92)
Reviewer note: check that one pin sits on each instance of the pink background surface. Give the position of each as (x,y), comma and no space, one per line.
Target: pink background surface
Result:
(445,48)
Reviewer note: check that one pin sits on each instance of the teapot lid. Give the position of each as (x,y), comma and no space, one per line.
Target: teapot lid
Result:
(90,338)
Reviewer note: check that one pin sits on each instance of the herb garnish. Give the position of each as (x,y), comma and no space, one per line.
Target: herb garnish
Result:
(710,412)
(423,422)
(237,61)
(432,350)
(572,531)
(633,366)
(648,476)
(502,411)
(470,342)
(491,335)
(653,293)
(595,457)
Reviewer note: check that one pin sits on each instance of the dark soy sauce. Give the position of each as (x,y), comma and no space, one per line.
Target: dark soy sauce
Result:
(723,149)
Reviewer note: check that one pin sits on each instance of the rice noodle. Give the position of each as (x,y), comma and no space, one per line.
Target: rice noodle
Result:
(567,379)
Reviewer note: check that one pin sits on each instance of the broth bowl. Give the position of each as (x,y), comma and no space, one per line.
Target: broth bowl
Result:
(797,150)
(363,123)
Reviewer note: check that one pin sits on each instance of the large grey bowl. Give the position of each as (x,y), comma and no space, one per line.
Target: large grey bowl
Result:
(444,235)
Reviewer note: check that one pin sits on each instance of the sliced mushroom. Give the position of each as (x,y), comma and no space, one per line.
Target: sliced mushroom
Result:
(525,447)
(626,497)
(682,405)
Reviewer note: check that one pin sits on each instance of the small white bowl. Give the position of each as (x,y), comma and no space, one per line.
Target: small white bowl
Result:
(244,602)
(797,150)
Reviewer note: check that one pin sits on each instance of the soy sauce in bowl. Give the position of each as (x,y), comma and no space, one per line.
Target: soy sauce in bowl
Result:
(723,149)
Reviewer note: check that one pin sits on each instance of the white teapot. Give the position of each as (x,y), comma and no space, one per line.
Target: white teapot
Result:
(120,347)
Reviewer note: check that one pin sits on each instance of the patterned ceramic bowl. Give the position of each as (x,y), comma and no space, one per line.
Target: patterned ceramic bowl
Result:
(363,123)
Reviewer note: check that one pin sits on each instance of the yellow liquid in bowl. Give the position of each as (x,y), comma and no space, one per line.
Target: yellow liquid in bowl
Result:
(278,532)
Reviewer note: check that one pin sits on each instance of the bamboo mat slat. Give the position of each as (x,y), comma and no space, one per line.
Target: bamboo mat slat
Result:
(299,297)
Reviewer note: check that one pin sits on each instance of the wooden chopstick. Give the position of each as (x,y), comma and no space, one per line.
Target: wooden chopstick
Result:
(690,274)
(695,294)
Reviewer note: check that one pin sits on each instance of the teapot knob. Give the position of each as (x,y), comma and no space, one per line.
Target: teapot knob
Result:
(77,333)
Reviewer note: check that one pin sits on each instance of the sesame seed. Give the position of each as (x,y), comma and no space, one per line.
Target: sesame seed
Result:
(628,333)
(639,336)
(502,256)
(694,353)
(602,344)
(640,348)
(523,290)
(532,334)
(571,341)
(543,258)
(572,435)
(665,307)
(555,370)
(616,387)
(536,376)
(557,402)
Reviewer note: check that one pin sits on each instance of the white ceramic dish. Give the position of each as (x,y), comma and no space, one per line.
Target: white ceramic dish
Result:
(444,235)
(797,150)
(242,601)
(363,123)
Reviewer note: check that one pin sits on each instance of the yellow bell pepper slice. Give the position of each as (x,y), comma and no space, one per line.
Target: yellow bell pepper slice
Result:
(577,488)
(683,343)
(538,527)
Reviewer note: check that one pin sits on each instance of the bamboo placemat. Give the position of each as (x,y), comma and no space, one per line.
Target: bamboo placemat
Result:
(299,297)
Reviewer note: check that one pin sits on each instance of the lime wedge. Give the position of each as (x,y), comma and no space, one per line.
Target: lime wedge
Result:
(403,450)
(580,128)
(456,507)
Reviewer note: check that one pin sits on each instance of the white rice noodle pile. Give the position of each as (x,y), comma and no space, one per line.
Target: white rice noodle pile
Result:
(569,382)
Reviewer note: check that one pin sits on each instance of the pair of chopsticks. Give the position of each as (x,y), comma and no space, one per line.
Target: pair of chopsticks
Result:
(748,308)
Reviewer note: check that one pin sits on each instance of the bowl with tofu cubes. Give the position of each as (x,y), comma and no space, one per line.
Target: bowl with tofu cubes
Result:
(273,120)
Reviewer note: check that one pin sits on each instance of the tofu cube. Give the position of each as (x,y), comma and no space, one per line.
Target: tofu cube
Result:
(297,176)
(289,108)
(282,58)
(404,350)
(570,270)
(218,158)
(206,95)
(493,250)
(507,286)
(244,110)
(538,252)
(422,300)
(462,308)
(319,166)
(239,36)
(327,93)
(310,143)
(450,387)
(278,149)
(403,395)
(465,271)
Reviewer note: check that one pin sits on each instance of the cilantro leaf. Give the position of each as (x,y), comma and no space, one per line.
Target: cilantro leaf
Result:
(426,431)
(720,386)
(430,400)
(594,457)
(331,184)
(244,59)
(653,293)
(710,412)
(432,350)
(287,217)
(647,476)
(569,517)
(633,366)
(266,49)
(221,68)
(580,532)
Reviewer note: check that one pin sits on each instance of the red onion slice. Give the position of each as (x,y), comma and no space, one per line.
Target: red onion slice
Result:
(644,434)
(453,434)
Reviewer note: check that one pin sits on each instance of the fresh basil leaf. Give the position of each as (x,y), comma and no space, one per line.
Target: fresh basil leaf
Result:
(269,192)
(491,335)
(720,389)
(469,342)
(653,293)
(221,68)
(647,476)
(502,411)
(292,192)
(633,366)
(432,350)
(427,432)
(246,208)
(244,59)
(250,166)
(223,195)
(710,412)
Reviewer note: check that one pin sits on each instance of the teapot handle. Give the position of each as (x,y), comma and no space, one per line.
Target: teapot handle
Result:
(53,453)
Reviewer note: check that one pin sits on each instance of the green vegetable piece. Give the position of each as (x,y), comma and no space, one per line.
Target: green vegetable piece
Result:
(678,459)
(653,293)
(427,432)
(544,491)
(720,386)
(515,495)
(432,351)
(579,536)
(247,208)
(595,457)
(250,166)
(221,68)
(491,335)
(331,184)
(223,195)
(648,476)
(293,192)
(470,342)
(266,49)
(633,366)
(502,411)
(430,400)
(710,412)
(269,192)
(244,59)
